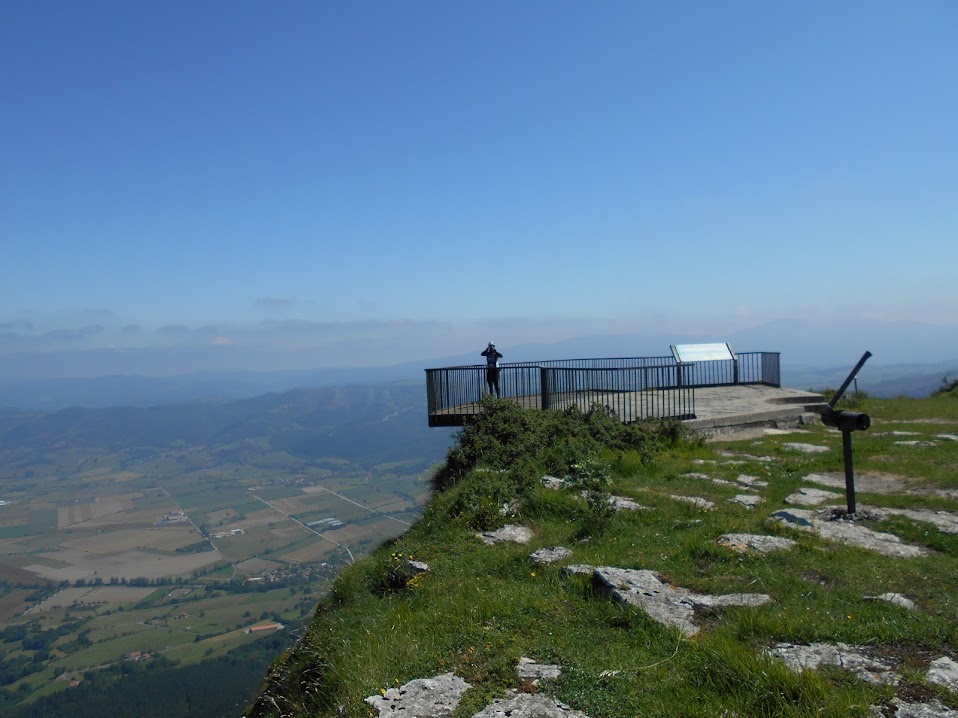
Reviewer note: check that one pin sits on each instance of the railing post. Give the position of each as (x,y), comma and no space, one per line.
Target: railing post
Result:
(545,400)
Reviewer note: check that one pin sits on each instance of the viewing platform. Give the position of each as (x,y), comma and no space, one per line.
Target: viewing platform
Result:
(713,395)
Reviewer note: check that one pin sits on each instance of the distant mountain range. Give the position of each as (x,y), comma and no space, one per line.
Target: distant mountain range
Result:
(909,359)
(364,425)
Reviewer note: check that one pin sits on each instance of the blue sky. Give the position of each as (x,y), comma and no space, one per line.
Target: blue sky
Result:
(372,179)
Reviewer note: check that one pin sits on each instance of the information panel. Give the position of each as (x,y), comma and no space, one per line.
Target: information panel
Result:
(686,353)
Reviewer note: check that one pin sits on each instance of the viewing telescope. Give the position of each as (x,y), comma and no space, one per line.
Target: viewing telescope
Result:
(847,422)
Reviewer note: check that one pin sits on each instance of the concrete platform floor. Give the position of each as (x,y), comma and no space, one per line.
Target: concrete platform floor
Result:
(732,409)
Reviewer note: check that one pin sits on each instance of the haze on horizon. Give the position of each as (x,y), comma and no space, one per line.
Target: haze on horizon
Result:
(313,184)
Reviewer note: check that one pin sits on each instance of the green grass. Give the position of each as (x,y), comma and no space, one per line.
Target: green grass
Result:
(480,608)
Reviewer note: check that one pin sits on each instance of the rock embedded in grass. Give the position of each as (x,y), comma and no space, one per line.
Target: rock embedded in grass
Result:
(848,532)
(749,501)
(806,448)
(574,569)
(811,497)
(750,481)
(706,477)
(669,605)
(944,672)
(895,599)
(435,697)
(528,705)
(509,532)
(624,503)
(754,542)
(530,669)
(550,555)
(944,521)
(874,482)
(554,482)
(696,501)
(933,709)
(851,658)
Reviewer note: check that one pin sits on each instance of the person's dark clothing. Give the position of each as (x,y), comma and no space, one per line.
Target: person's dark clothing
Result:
(492,368)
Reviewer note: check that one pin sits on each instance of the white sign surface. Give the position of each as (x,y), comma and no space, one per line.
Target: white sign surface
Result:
(703,352)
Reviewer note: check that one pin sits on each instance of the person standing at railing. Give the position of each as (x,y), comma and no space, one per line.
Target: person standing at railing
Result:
(492,367)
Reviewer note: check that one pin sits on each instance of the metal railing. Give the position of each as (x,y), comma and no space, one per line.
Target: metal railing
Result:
(631,393)
(634,388)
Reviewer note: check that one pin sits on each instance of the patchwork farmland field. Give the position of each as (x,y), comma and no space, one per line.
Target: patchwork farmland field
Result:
(126,537)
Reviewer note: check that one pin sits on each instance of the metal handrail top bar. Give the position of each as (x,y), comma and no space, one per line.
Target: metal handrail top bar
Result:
(547,362)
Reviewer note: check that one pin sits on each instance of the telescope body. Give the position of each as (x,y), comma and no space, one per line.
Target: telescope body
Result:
(846,420)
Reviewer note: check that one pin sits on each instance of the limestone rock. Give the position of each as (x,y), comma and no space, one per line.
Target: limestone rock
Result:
(944,672)
(914,442)
(424,697)
(554,482)
(706,477)
(933,709)
(806,448)
(946,522)
(669,605)
(851,658)
(696,501)
(750,481)
(509,532)
(753,542)
(620,503)
(749,501)
(528,705)
(874,482)
(848,532)
(418,567)
(811,497)
(529,669)
(550,555)
(947,437)
(578,569)
(895,599)
(624,503)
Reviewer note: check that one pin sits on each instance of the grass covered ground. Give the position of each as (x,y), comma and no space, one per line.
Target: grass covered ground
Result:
(479,608)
